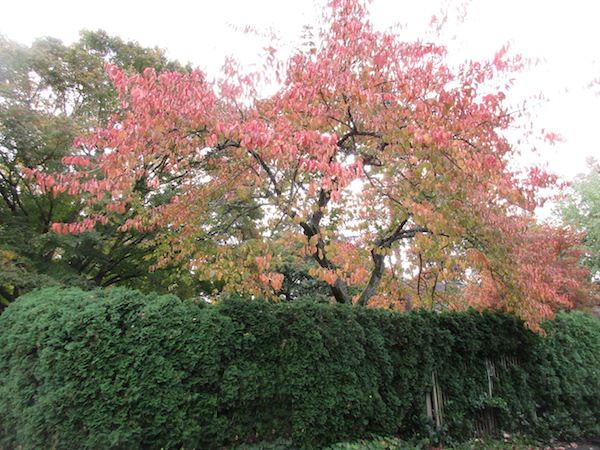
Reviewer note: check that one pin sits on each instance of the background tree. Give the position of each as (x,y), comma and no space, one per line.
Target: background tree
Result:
(549,271)
(49,94)
(581,209)
(375,158)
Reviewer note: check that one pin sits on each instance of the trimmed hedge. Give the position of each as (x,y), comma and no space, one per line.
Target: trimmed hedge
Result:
(120,369)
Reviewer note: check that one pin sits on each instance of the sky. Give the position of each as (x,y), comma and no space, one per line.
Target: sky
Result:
(562,36)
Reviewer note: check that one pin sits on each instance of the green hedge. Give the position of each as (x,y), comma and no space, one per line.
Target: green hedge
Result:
(120,369)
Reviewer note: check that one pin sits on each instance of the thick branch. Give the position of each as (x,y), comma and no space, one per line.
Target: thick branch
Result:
(378,257)
(311,228)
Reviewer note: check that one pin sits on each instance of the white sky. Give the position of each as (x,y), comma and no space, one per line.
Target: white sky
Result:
(563,35)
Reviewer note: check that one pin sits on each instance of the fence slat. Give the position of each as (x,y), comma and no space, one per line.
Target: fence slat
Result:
(486,422)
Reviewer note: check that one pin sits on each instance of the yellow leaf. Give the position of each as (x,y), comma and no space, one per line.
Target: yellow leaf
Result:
(9,255)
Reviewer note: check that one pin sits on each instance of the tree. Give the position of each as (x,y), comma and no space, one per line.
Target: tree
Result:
(549,272)
(581,209)
(49,94)
(387,165)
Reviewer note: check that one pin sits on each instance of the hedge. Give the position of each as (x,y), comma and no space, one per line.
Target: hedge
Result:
(120,369)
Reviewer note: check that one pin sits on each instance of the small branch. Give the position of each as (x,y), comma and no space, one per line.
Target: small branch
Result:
(355,133)
(419,276)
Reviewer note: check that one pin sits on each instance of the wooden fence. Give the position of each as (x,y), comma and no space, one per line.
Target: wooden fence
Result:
(486,422)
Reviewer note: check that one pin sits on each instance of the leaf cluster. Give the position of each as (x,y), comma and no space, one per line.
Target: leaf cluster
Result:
(581,209)
(50,93)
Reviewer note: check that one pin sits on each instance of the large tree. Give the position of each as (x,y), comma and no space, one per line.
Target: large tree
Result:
(49,94)
(374,157)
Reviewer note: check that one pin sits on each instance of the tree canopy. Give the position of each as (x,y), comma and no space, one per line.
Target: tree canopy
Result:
(375,157)
(581,209)
(49,94)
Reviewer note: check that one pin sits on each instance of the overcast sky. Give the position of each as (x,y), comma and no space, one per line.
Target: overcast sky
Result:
(563,35)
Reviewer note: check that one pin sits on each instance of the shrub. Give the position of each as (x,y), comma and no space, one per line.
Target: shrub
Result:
(120,369)
(566,379)
(101,369)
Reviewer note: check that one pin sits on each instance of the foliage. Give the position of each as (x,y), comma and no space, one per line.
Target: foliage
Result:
(507,442)
(49,94)
(568,387)
(372,152)
(376,443)
(117,368)
(298,283)
(554,276)
(96,369)
(582,209)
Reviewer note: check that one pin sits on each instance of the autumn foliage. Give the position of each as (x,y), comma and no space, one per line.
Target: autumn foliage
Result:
(387,164)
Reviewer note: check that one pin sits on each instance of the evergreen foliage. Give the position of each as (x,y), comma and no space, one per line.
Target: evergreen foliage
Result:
(116,368)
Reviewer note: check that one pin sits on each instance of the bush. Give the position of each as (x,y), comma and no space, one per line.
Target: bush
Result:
(101,369)
(566,381)
(120,369)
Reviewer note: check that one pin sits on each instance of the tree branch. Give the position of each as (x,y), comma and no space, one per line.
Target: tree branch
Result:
(312,228)
(378,257)
(268,171)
